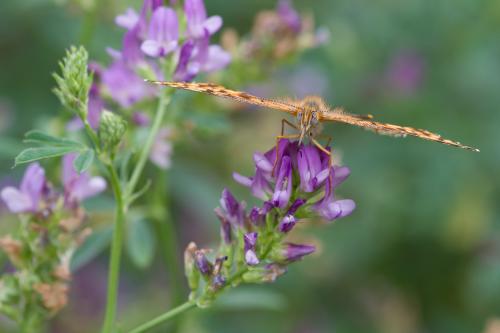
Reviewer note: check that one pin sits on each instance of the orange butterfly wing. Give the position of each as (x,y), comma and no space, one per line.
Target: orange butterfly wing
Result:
(339,115)
(240,96)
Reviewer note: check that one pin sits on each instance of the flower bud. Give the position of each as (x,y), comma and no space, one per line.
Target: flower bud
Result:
(190,269)
(204,266)
(286,224)
(289,252)
(74,83)
(268,273)
(250,240)
(112,127)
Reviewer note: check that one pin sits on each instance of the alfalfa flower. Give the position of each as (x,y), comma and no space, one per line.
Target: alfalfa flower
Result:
(26,198)
(295,181)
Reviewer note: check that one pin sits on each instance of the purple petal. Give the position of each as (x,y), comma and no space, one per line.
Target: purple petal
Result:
(141,119)
(337,209)
(213,24)
(261,162)
(185,71)
(164,26)
(127,20)
(288,14)
(251,258)
(245,181)
(294,252)
(217,59)
(33,183)
(283,189)
(295,206)
(16,201)
(286,224)
(68,171)
(152,48)
(85,187)
(341,174)
(131,52)
(195,17)
(161,152)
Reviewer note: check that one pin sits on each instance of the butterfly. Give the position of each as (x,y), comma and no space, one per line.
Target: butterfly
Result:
(311,111)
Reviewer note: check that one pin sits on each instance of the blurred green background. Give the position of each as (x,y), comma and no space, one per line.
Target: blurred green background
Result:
(421,253)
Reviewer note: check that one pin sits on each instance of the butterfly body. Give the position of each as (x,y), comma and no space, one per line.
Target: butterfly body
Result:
(311,111)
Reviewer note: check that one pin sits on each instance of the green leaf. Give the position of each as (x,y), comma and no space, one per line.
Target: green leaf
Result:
(140,243)
(83,161)
(40,137)
(35,154)
(91,248)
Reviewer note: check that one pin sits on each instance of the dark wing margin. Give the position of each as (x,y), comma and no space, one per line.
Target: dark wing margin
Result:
(337,114)
(220,91)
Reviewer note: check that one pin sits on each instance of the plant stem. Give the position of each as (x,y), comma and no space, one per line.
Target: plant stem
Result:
(116,247)
(88,25)
(164,317)
(167,236)
(139,167)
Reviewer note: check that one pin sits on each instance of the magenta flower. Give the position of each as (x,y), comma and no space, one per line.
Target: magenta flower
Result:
(27,197)
(197,22)
(78,187)
(163,33)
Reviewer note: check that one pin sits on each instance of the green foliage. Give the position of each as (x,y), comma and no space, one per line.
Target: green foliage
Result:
(51,147)
(84,160)
(141,242)
(73,84)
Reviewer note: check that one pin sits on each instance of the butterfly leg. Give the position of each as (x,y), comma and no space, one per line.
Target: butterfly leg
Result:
(283,122)
(283,136)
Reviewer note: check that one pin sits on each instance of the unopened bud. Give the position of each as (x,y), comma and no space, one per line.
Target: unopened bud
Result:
(206,268)
(112,127)
(73,84)
(190,269)
(290,252)
(268,273)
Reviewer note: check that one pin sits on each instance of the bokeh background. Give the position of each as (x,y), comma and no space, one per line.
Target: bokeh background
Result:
(422,251)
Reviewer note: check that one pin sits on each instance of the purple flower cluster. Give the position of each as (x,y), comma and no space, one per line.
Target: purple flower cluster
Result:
(36,195)
(154,33)
(274,178)
(295,181)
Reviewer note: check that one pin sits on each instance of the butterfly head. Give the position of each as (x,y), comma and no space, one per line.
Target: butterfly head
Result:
(308,116)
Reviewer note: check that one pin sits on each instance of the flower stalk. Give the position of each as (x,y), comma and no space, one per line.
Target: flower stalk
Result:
(116,249)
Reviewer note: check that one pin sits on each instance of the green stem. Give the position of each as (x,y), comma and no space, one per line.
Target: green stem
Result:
(92,135)
(139,167)
(88,26)
(167,236)
(164,317)
(116,247)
